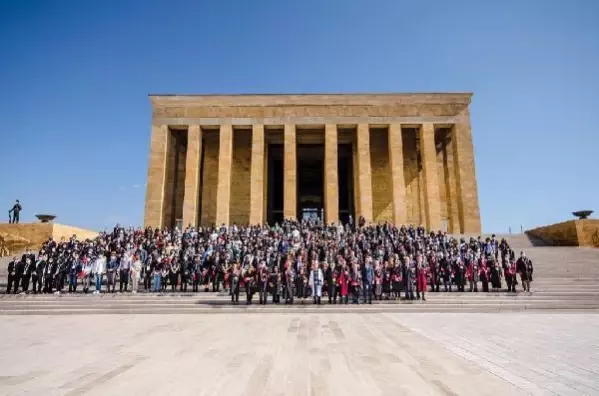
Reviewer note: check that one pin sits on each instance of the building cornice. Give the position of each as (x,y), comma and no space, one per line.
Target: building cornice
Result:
(334,99)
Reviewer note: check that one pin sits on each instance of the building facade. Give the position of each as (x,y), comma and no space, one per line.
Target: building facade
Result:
(250,159)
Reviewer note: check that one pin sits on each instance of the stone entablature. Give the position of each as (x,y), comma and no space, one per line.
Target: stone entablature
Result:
(296,106)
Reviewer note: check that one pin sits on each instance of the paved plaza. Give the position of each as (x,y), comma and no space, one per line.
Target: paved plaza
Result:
(301,354)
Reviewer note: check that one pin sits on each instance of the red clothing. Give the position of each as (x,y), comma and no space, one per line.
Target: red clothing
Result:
(470,272)
(421,277)
(342,282)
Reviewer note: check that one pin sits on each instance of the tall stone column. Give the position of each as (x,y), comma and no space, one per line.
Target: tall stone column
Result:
(364,172)
(428,153)
(398,183)
(156,176)
(331,175)
(225,160)
(191,198)
(290,173)
(257,176)
(463,155)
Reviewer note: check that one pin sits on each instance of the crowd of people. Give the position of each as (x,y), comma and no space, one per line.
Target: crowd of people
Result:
(287,262)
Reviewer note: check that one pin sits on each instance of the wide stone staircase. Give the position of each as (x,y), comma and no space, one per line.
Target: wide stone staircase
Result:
(565,279)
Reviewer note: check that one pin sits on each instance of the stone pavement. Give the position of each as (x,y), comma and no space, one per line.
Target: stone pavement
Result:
(301,354)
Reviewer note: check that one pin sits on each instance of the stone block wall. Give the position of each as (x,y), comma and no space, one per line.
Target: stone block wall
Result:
(38,233)
(382,194)
(209,178)
(241,172)
(588,232)
(583,233)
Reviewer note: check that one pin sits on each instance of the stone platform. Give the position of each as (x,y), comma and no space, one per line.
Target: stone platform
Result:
(301,354)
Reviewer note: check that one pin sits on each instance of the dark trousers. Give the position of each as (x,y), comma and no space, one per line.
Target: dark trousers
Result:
(196,283)
(25,282)
(332,293)
(367,291)
(147,281)
(110,280)
(235,293)
(123,279)
(15,218)
(183,287)
(249,294)
(276,297)
(36,283)
(216,283)
(485,286)
(49,283)
(355,292)
(288,295)
(18,280)
(11,280)
(511,286)
(174,278)
(59,280)
(263,294)
(72,283)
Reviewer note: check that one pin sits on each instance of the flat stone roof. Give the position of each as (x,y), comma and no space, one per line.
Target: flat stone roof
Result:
(272,99)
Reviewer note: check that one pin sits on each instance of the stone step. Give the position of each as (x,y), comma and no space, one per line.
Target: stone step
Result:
(430,305)
(298,309)
(466,297)
(142,297)
(227,301)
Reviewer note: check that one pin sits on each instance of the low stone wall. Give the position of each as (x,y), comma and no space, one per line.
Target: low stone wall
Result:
(569,233)
(33,235)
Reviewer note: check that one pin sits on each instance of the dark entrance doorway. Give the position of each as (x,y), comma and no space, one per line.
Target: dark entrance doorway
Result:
(274,206)
(310,181)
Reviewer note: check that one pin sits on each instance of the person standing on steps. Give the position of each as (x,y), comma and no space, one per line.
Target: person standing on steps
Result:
(367,280)
(16,209)
(111,267)
(524,268)
(510,275)
(315,282)
(12,274)
(19,271)
(38,274)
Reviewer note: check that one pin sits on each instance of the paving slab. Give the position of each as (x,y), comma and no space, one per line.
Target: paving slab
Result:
(301,354)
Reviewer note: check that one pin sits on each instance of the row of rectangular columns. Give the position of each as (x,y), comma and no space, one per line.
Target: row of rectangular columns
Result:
(432,206)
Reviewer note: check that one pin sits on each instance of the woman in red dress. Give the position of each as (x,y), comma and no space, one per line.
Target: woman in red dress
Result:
(421,271)
(343,284)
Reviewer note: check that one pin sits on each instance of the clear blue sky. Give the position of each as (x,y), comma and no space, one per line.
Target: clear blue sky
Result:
(74,79)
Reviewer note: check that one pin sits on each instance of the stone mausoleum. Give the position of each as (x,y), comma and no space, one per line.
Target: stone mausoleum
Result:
(248,159)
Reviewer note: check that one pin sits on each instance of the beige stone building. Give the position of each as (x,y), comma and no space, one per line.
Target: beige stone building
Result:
(249,159)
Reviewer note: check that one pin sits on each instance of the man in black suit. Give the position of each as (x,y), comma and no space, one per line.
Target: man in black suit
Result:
(12,272)
(16,209)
